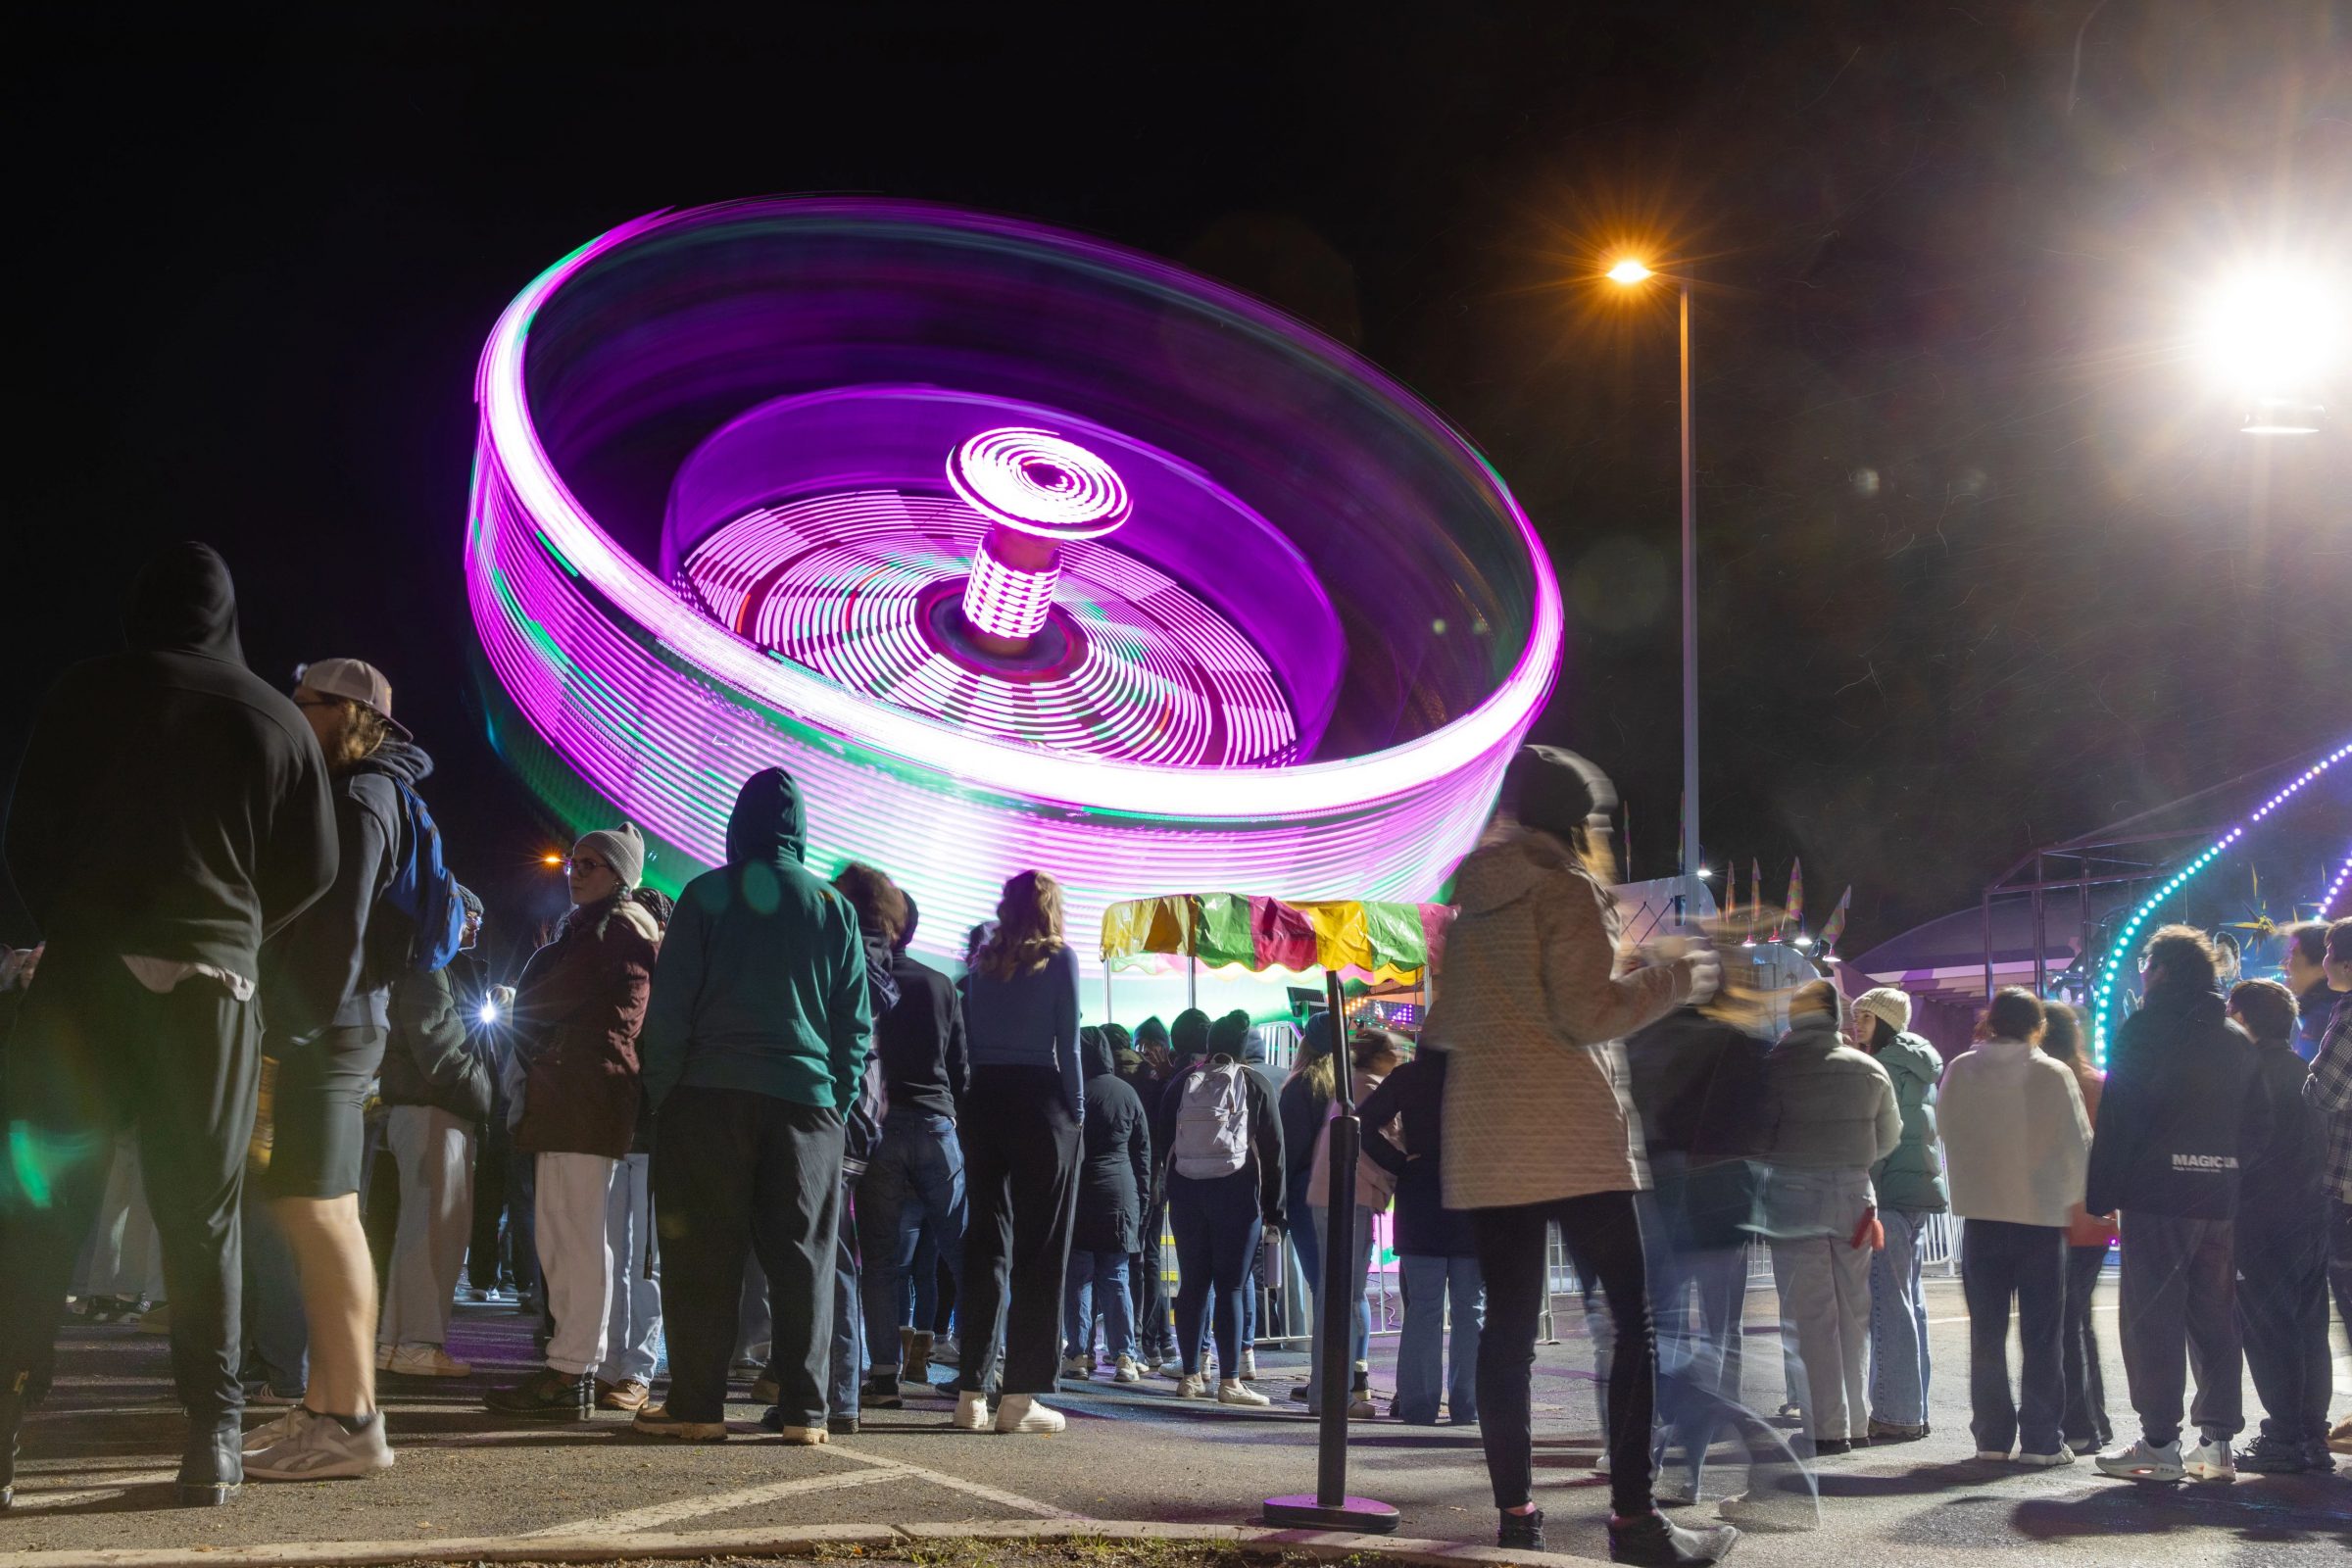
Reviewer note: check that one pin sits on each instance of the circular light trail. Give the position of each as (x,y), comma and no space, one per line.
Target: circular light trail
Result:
(1165,752)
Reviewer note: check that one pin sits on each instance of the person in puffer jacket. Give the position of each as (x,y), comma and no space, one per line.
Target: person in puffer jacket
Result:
(1910,1185)
(1532,1001)
(2184,1105)
(1830,1116)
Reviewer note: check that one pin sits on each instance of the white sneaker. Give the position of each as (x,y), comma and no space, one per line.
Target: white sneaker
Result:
(1077,1366)
(971,1412)
(1249,1372)
(1020,1412)
(2046,1461)
(1194,1387)
(2143,1460)
(1233,1391)
(1993,1455)
(275,1430)
(1126,1371)
(2210,1461)
(1172,1367)
(319,1449)
(423,1361)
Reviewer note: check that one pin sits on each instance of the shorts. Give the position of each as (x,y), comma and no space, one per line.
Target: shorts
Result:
(317,1110)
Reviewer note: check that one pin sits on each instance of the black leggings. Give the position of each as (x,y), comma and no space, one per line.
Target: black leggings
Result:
(1604,1240)
(1020,1174)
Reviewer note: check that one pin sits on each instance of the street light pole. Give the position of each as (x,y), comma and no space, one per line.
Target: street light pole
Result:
(1690,860)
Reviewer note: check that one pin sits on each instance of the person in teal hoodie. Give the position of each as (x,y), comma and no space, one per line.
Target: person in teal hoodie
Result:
(754,1049)
(1910,1185)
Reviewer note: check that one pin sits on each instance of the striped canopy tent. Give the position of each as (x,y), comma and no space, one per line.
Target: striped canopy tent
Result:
(1360,939)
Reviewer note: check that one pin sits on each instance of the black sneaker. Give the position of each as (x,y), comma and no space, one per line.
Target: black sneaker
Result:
(881,1392)
(841,1425)
(2269,1456)
(1829,1446)
(1652,1539)
(546,1394)
(1521,1532)
(12,1417)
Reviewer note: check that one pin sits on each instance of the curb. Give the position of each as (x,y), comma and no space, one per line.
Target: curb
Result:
(796,1541)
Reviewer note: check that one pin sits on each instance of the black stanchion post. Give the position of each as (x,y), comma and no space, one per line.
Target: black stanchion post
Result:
(1330,1508)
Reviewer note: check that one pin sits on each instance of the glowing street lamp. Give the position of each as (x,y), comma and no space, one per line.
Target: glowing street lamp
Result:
(1630,272)
(2273,334)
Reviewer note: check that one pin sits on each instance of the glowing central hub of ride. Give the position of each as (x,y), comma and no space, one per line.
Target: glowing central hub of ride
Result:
(1037,491)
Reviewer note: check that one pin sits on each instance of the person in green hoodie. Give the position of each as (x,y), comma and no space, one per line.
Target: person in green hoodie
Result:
(754,1045)
(1910,1185)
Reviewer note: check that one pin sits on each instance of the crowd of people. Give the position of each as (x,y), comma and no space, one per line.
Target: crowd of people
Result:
(747,1132)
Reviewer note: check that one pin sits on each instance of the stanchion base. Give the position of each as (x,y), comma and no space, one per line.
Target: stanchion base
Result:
(1361,1515)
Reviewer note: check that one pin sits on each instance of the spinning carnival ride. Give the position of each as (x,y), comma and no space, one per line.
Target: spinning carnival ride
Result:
(1013,548)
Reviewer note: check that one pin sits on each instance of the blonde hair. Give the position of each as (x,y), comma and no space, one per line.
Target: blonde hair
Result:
(1028,927)
(363,731)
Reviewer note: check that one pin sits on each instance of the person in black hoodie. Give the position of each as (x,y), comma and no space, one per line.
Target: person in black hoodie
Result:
(1113,1174)
(2281,1255)
(154,903)
(916,1174)
(2182,1109)
(1146,1281)
(328,1012)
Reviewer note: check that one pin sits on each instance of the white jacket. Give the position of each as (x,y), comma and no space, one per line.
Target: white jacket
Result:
(2016,1140)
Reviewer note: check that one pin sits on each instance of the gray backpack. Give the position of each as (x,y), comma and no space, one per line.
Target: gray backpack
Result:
(1213,1122)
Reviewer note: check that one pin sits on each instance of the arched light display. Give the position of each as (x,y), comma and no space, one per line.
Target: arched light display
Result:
(833,485)
(2336,889)
(2125,949)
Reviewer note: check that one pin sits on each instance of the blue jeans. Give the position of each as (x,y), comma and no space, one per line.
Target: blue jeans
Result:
(916,1177)
(1899,1322)
(633,1334)
(277,1337)
(1422,1361)
(1360,1342)
(1096,1280)
(1217,1227)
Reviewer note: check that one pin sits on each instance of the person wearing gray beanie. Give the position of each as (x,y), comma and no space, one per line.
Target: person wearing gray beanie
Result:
(1910,1187)
(619,848)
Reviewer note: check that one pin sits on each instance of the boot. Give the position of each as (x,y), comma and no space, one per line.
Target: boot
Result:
(546,1394)
(907,1366)
(916,1369)
(212,1470)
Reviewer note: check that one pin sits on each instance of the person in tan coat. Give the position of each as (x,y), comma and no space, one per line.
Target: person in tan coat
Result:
(1534,1000)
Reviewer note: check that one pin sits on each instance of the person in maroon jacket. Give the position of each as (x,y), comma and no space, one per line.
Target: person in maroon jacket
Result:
(578,1011)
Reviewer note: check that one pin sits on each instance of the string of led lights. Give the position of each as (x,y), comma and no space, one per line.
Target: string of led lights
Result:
(2336,889)
(2124,948)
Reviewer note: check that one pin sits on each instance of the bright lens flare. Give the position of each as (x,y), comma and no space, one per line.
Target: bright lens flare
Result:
(1628,271)
(2272,331)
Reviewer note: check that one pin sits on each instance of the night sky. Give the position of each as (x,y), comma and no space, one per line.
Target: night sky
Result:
(1984,559)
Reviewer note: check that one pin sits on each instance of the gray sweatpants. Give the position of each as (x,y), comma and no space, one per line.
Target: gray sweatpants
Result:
(434,1152)
(2179,1290)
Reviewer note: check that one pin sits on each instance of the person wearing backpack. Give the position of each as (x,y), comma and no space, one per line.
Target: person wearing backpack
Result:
(436,1090)
(1219,1138)
(325,1002)
(151,904)
(577,1013)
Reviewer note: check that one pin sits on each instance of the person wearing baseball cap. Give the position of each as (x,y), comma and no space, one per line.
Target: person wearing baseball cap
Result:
(1910,1184)
(327,1017)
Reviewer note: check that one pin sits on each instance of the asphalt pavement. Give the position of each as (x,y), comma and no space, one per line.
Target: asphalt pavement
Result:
(98,1464)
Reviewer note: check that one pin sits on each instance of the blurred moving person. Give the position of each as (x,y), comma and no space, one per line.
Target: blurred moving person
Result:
(153,905)
(2018,1141)
(1532,1004)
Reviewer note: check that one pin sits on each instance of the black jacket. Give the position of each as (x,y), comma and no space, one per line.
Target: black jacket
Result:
(2181,1109)
(2284,1183)
(1698,1084)
(920,1042)
(429,1059)
(1265,1139)
(316,972)
(170,804)
(1116,1174)
(2313,1008)
(1415,1094)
